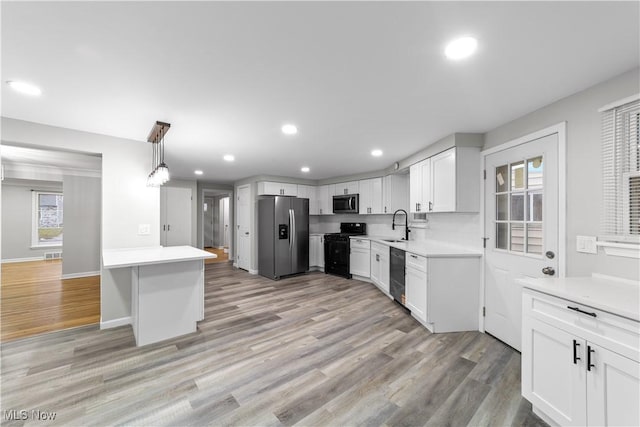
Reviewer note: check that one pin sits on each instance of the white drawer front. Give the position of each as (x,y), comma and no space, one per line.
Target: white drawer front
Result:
(617,333)
(416,261)
(360,243)
(379,247)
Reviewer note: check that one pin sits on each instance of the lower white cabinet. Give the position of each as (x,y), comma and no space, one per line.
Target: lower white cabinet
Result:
(360,258)
(380,264)
(316,251)
(570,371)
(416,285)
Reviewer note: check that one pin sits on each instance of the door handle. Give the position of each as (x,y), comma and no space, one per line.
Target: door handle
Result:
(549,271)
(246,233)
(164,227)
(377,257)
(589,364)
(576,344)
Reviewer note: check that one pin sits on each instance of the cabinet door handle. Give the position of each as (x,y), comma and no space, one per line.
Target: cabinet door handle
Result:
(385,209)
(168,227)
(418,207)
(164,227)
(581,311)
(576,344)
(589,364)
(414,256)
(430,206)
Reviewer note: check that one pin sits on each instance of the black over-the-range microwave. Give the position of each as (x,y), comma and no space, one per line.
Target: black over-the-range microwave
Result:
(349,203)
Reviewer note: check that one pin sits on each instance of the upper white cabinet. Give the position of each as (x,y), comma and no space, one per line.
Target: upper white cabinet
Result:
(267,188)
(580,365)
(370,196)
(310,192)
(447,182)
(342,188)
(395,193)
(325,199)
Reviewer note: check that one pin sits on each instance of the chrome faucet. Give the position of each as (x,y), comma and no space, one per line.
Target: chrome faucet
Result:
(406,223)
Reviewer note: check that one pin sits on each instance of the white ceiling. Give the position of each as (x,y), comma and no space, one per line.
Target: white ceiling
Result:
(353,76)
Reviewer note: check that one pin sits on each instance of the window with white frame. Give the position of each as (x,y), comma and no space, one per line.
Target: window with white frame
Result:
(621,171)
(47,219)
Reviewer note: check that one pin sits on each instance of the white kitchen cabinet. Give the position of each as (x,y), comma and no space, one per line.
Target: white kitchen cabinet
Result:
(325,200)
(416,285)
(580,365)
(310,192)
(380,264)
(395,193)
(446,182)
(370,196)
(316,251)
(268,188)
(360,258)
(342,188)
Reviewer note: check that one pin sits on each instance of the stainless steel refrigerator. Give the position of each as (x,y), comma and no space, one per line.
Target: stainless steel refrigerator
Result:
(283,236)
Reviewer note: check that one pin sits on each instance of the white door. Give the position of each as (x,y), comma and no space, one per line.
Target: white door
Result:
(177,224)
(244,228)
(521,227)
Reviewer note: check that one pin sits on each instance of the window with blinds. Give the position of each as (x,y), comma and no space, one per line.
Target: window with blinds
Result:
(621,172)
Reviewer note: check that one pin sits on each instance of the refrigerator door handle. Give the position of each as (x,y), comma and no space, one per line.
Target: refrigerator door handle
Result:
(293,229)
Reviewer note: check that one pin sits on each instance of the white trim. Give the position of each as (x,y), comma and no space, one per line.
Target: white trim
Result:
(619,103)
(561,130)
(45,246)
(10,260)
(627,250)
(252,271)
(78,275)
(108,324)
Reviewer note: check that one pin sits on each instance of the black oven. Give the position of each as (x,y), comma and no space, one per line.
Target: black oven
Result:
(346,204)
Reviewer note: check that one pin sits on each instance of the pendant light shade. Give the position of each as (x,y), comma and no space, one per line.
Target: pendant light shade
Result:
(159,169)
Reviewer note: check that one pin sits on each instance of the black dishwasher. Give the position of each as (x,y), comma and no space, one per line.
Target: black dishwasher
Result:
(397,275)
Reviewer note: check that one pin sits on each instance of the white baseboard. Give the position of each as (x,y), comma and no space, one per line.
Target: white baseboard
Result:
(115,323)
(10,260)
(77,275)
(220,247)
(251,271)
(235,265)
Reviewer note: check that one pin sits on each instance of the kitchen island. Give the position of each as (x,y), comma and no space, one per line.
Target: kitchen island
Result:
(167,289)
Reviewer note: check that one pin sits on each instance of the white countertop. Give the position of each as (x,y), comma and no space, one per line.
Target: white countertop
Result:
(621,297)
(428,248)
(129,257)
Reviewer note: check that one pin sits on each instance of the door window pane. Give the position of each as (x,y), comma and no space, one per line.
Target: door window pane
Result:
(534,209)
(502,209)
(517,176)
(501,179)
(517,207)
(50,218)
(517,237)
(534,172)
(502,236)
(534,238)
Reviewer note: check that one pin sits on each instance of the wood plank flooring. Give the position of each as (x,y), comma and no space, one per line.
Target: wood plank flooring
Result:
(222,256)
(308,350)
(34,299)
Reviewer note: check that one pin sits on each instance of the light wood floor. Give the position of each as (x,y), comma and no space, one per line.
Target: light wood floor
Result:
(308,350)
(222,257)
(34,299)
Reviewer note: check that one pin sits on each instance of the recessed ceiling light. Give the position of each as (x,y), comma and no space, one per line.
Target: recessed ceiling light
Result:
(229,157)
(376,153)
(461,48)
(289,129)
(305,169)
(25,88)
(198,172)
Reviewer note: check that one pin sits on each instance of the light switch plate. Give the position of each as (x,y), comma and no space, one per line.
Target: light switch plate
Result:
(144,229)
(586,244)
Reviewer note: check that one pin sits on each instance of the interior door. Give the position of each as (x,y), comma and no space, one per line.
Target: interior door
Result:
(521,228)
(244,228)
(225,224)
(177,205)
(208,211)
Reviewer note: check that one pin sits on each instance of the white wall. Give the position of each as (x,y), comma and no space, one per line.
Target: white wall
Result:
(81,243)
(583,170)
(126,200)
(17,219)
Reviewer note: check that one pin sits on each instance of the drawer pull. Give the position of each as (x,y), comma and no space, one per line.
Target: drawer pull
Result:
(576,344)
(589,364)
(581,311)
(414,256)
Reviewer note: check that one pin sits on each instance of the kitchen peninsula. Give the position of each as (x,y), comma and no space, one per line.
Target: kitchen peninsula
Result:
(167,289)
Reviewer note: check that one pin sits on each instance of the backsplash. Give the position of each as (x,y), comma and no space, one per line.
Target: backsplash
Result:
(462,229)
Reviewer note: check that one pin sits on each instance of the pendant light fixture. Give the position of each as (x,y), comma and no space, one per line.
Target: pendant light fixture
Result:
(159,169)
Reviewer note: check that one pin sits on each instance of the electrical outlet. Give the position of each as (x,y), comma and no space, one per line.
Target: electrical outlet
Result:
(586,244)
(144,229)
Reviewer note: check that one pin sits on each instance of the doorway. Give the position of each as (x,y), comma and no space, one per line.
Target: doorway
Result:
(216,226)
(523,226)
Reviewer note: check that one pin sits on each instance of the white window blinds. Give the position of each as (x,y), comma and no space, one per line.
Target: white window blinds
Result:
(621,170)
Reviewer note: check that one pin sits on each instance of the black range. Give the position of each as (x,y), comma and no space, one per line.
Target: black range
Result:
(337,248)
